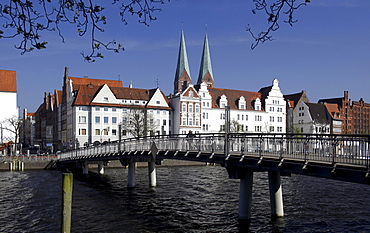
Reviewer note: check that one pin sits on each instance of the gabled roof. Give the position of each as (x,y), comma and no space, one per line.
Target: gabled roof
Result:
(86,93)
(333,111)
(295,98)
(318,112)
(233,97)
(8,81)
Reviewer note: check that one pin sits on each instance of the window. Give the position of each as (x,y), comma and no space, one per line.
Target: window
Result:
(190,121)
(105,120)
(197,121)
(272,119)
(197,109)
(272,128)
(124,120)
(258,128)
(105,98)
(258,118)
(114,120)
(164,122)
(97,131)
(280,109)
(184,107)
(114,132)
(106,109)
(246,117)
(190,107)
(158,102)
(280,119)
(184,121)
(204,115)
(238,117)
(82,119)
(82,131)
(137,101)
(105,131)
(280,129)
(203,127)
(271,109)
(97,108)
(207,104)
(97,119)
(114,109)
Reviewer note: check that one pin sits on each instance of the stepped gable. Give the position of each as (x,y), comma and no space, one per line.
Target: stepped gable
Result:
(8,80)
(233,97)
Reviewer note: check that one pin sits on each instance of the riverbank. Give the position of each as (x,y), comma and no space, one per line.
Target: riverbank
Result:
(39,163)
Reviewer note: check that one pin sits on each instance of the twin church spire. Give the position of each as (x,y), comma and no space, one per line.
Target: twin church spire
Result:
(182,76)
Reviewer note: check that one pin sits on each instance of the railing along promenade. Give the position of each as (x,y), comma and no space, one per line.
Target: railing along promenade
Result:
(344,149)
(341,157)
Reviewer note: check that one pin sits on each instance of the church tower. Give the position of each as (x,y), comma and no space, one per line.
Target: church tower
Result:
(182,76)
(205,71)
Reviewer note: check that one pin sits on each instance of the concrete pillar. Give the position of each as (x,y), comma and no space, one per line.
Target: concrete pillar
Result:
(152,174)
(100,168)
(131,175)
(85,168)
(276,194)
(245,196)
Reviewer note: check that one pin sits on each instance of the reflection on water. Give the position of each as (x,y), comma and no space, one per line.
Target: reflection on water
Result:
(187,199)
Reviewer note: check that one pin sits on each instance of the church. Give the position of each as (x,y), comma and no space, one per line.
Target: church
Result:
(200,107)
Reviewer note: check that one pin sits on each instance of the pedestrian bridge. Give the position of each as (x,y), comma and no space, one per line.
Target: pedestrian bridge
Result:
(341,157)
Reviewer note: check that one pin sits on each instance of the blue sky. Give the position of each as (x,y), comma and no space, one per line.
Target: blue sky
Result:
(325,53)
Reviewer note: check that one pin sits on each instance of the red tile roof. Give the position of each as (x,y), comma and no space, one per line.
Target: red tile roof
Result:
(8,81)
(97,82)
(233,97)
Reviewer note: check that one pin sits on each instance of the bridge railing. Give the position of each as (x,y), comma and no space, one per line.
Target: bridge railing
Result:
(351,149)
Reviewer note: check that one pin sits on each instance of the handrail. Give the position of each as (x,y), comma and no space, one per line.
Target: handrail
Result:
(333,148)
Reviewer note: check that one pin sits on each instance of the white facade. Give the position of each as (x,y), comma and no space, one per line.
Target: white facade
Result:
(99,121)
(194,111)
(8,103)
(306,122)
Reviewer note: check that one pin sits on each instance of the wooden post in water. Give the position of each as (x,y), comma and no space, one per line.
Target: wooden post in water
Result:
(67,202)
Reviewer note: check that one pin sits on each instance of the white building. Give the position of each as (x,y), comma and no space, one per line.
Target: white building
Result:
(8,103)
(95,108)
(311,118)
(200,107)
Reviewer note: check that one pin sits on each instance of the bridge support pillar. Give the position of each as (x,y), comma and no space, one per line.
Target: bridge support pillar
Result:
(100,168)
(245,197)
(131,174)
(152,174)
(85,168)
(276,194)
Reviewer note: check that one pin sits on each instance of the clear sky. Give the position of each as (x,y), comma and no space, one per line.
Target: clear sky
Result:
(325,53)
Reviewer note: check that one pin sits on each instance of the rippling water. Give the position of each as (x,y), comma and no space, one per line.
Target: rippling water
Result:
(187,199)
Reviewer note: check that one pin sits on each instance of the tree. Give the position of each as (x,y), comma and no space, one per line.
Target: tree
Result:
(28,19)
(138,123)
(12,125)
(235,127)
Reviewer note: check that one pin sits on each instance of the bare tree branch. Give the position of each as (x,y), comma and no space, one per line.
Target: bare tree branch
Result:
(274,11)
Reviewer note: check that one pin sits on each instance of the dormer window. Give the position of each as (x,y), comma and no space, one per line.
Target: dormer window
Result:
(241,102)
(257,104)
(223,101)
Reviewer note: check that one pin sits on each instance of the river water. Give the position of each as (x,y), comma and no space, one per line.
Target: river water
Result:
(187,199)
